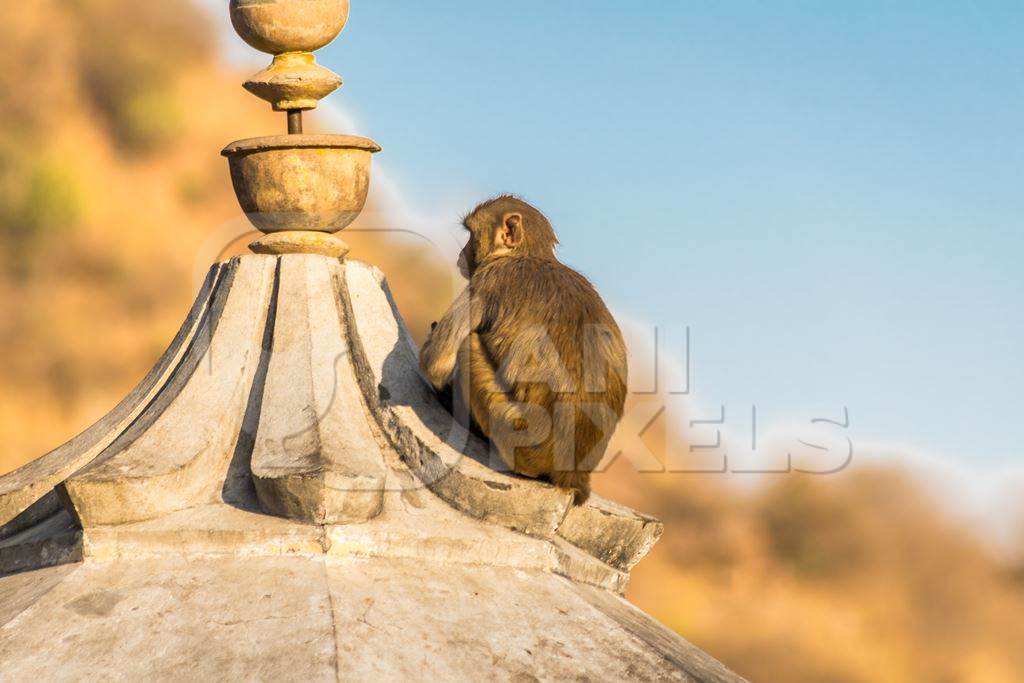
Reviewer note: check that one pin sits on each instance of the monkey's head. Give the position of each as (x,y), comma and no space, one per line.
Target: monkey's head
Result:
(502,227)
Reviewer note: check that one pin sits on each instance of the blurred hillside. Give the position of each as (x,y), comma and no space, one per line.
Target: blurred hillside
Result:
(111,185)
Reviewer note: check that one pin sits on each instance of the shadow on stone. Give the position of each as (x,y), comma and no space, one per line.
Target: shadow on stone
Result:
(435,410)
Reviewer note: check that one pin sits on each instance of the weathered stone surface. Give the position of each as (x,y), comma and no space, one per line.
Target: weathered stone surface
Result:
(611,532)
(176,453)
(300,243)
(315,457)
(172,619)
(417,525)
(209,530)
(20,592)
(23,487)
(500,624)
(301,182)
(278,26)
(329,619)
(413,525)
(294,82)
(693,663)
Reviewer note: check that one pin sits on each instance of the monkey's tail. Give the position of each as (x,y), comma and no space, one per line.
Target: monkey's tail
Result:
(577,482)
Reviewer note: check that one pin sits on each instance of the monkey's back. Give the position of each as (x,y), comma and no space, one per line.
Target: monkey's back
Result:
(541,320)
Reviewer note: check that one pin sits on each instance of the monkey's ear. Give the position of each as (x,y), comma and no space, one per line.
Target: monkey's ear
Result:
(512,231)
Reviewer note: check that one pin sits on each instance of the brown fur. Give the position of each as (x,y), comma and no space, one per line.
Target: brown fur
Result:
(531,348)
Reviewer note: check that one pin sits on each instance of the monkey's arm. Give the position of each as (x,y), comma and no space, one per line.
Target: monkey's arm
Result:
(440,353)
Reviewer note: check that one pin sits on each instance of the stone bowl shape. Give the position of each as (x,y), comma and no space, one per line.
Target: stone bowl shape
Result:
(279,26)
(312,183)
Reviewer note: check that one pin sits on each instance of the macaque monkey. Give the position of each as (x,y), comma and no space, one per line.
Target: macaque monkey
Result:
(530,349)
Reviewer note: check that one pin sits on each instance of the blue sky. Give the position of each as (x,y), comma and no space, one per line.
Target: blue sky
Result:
(829,194)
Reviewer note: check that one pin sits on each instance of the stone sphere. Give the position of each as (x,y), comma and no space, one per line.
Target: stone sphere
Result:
(314,183)
(279,26)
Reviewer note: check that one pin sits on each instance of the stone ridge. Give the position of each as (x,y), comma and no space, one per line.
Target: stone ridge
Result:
(24,487)
(293,390)
(174,455)
(315,457)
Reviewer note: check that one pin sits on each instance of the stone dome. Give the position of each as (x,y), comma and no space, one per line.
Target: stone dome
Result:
(283,496)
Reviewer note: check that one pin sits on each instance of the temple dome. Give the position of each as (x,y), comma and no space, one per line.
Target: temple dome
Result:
(283,495)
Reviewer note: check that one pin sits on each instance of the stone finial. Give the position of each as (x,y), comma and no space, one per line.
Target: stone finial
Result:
(291,30)
(280,26)
(294,82)
(298,189)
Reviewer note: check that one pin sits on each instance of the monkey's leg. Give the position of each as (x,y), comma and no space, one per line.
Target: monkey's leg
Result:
(481,387)
(592,425)
(558,457)
(488,399)
(571,465)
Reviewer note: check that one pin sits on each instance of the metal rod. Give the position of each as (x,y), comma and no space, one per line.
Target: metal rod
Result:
(295,122)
